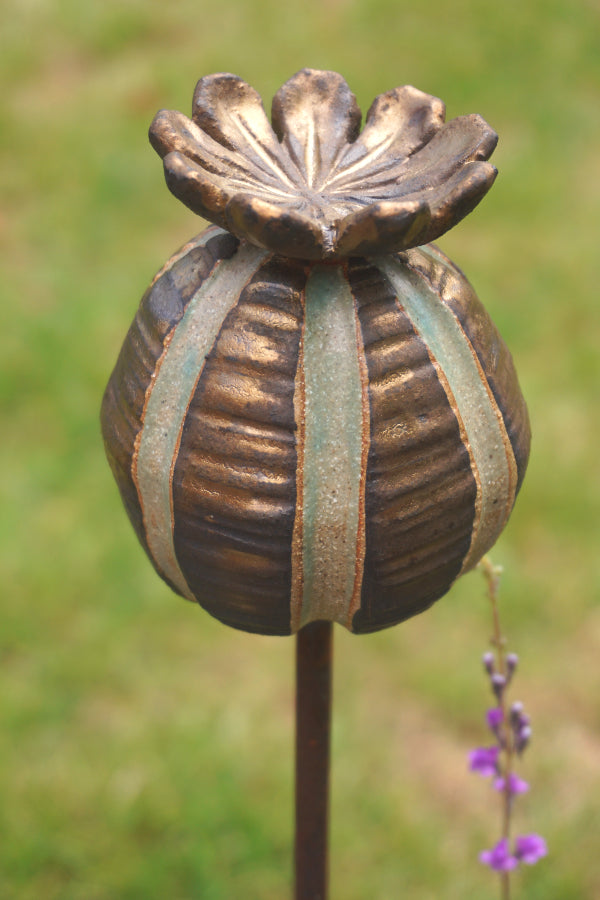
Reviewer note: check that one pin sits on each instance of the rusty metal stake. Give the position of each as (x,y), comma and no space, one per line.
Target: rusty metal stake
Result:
(313,723)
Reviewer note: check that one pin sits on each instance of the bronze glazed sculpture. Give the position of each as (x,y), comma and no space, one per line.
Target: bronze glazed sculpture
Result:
(313,418)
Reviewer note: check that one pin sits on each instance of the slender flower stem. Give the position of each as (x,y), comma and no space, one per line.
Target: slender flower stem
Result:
(505,885)
(492,574)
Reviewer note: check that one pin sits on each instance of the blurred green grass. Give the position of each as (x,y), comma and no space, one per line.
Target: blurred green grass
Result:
(145,750)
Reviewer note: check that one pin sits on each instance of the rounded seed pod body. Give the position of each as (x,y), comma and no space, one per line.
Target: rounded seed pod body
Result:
(296,441)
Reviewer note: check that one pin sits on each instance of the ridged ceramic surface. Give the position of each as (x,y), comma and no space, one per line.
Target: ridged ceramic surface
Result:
(297,441)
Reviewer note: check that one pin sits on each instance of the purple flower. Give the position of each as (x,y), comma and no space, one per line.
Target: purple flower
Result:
(530,847)
(515,785)
(484,760)
(499,857)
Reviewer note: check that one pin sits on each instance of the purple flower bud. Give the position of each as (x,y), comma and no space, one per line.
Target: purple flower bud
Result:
(498,682)
(530,847)
(488,662)
(516,711)
(516,785)
(512,661)
(499,857)
(494,718)
(484,760)
(522,738)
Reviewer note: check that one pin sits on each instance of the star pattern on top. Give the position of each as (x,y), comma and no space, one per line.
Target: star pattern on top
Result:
(312,185)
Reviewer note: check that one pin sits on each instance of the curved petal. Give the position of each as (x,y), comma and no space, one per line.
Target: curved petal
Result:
(203,192)
(462,140)
(172,132)
(231,112)
(453,200)
(315,114)
(383,228)
(459,141)
(275,227)
(398,123)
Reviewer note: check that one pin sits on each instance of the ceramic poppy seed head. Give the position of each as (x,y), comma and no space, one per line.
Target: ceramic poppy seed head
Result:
(312,416)
(312,185)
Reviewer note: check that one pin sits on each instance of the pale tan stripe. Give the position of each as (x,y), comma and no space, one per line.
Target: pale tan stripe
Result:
(199,241)
(485,434)
(333,450)
(361,537)
(477,548)
(170,395)
(466,444)
(472,558)
(297,586)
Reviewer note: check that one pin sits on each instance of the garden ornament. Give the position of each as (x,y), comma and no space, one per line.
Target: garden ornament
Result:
(313,419)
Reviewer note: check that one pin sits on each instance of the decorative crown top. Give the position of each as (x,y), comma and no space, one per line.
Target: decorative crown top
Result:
(313,185)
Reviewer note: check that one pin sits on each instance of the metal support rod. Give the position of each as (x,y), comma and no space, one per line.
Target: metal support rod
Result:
(313,721)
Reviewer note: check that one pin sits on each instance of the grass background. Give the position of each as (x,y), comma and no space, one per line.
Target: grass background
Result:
(145,749)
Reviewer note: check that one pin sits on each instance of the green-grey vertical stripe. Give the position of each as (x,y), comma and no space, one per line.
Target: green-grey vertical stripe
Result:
(484,428)
(333,423)
(173,389)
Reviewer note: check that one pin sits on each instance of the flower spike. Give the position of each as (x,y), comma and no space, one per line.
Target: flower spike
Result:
(510,726)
